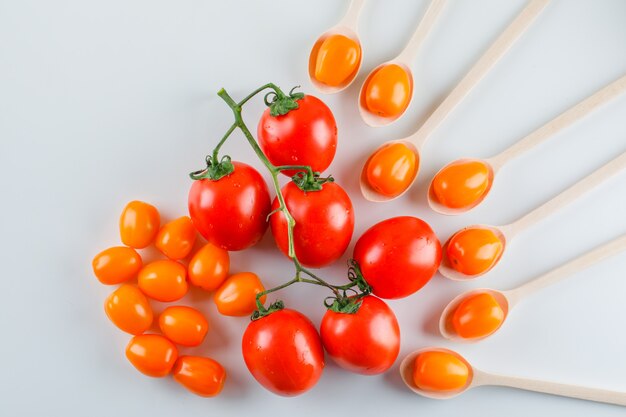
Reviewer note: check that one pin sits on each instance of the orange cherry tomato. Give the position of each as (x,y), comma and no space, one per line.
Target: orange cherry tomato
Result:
(202,376)
(440,371)
(478,315)
(139,224)
(183,325)
(116,265)
(461,184)
(237,295)
(474,250)
(388,91)
(391,169)
(163,280)
(152,354)
(176,239)
(208,267)
(129,309)
(337,59)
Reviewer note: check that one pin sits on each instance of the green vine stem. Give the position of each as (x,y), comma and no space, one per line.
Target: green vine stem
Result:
(280,104)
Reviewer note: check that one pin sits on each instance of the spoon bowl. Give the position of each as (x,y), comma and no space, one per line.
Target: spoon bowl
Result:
(369,193)
(434,203)
(449,272)
(445,321)
(406,373)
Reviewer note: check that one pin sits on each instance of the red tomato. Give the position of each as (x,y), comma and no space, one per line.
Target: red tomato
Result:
(283,352)
(366,342)
(202,376)
(324,223)
(304,136)
(232,211)
(398,256)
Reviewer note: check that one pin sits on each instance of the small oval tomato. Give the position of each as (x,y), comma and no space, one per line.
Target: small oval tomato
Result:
(440,372)
(337,59)
(391,170)
(398,256)
(176,239)
(324,223)
(116,265)
(139,224)
(461,184)
(208,267)
(232,211)
(237,295)
(202,376)
(163,280)
(183,325)
(304,136)
(152,354)
(129,309)
(388,91)
(283,352)
(366,342)
(474,250)
(478,315)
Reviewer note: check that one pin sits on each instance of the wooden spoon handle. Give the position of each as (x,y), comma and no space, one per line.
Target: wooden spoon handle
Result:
(582,262)
(409,52)
(567,118)
(486,62)
(547,387)
(567,196)
(351,18)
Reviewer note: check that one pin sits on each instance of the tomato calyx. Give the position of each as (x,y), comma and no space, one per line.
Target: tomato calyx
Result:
(350,303)
(280,103)
(215,169)
(263,311)
(307,182)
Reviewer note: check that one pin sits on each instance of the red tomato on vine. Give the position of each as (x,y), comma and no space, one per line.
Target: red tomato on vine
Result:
(231,212)
(304,136)
(324,223)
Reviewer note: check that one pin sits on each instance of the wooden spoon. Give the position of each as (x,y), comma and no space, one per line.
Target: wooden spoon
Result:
(508,299)
(416,141)
(507,232)
(348,28)
(403,60)
(537,137)
(479,378)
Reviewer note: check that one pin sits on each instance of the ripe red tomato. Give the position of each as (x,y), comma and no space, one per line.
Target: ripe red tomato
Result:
(283,352)
(324,223)
(366,342)
(232,211)
(398,256)
(304,136)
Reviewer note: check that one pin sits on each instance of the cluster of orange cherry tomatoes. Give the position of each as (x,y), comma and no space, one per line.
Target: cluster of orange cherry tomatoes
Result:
(166,280)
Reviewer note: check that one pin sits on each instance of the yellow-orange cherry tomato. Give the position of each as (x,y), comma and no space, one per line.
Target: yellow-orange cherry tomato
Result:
(478,315)
(139,224)
(461,184)
(440,372)
(208,267)
(129,309)
(176,239)
(116,265)
(391,170)
(152,354)
(388,91)
(237,295)
(202,376)
(337,58)
(474,251)
(183,325)
(163,280)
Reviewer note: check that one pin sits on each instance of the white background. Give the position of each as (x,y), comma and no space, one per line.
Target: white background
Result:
(105,102)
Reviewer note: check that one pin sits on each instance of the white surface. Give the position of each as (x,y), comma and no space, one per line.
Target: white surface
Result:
(104,102)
